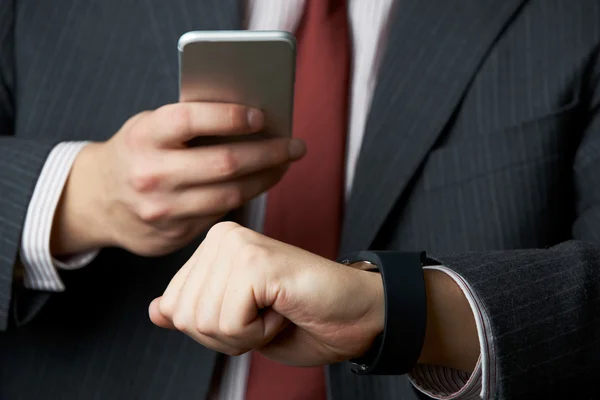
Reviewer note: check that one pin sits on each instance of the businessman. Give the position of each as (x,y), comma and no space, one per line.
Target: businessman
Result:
(467,130)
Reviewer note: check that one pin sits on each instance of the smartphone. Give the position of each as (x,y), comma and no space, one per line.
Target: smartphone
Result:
(253,68)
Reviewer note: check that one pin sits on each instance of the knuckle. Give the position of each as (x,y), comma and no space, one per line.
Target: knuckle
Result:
(181,321)
(226,164)
(205,327)
(133,121)
(152,211)
(252,254)
(229,328)
(135,137)
(237,235)
(142,180)
(218,230)
(180,117)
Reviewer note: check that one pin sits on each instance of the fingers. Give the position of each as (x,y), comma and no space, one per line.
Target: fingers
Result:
(222,197)
(168,302)
(214,301)
(242,323)
(156,317)
(211,164)
(159,320)
(200,299)
(203,290)
(228,310)
(175,124)
(176,209)
(173,308)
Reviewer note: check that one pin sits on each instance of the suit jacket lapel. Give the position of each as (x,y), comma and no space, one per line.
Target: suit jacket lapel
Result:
(434,49)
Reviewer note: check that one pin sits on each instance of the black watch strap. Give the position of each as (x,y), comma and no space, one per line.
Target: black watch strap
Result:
(397,350)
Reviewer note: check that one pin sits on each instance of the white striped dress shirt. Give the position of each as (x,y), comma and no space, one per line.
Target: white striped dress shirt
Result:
(369,22)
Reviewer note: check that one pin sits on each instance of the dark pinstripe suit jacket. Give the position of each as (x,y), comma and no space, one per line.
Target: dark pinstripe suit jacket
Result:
(483,139)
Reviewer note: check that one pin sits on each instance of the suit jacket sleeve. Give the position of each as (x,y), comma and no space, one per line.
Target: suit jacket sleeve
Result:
(544,304)
(20,164)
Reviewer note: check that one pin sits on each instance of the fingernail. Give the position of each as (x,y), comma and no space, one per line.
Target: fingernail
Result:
(297,149)
(255,119)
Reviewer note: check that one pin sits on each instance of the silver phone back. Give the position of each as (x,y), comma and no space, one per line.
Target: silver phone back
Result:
(254,68)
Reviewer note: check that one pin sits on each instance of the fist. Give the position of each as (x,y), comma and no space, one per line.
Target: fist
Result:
(148,191)
(242,291)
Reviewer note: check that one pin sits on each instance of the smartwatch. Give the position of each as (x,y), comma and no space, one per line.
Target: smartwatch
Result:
(397,350)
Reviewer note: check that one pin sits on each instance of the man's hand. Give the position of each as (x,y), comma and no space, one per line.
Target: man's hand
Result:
(149,192)
(243,291)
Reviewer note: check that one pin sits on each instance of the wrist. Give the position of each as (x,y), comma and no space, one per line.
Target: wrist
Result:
(376,320)
(373,322)
(78,224)
(451,338)
(370,280)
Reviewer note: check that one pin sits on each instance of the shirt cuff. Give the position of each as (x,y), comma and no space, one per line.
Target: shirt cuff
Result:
(40,268)
(446,383)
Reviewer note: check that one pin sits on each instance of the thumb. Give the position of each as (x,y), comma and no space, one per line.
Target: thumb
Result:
(176,124)
(156,317)
(273,323)
(265,327)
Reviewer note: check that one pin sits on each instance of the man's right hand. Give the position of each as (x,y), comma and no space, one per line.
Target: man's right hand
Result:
(146,191)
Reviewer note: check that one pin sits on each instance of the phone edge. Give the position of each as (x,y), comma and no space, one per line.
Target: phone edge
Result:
(225,36)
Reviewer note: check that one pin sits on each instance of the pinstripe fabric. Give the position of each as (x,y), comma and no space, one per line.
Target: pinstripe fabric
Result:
(94,340)
(20,163)
(402,101)
(483,138)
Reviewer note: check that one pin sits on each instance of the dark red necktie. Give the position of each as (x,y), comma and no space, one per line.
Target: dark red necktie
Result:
(305,208)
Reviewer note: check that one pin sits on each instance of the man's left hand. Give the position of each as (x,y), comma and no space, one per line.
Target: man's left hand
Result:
(242,291)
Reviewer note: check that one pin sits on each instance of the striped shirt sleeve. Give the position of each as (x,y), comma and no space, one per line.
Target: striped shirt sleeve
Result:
(447,384)
(40,268)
